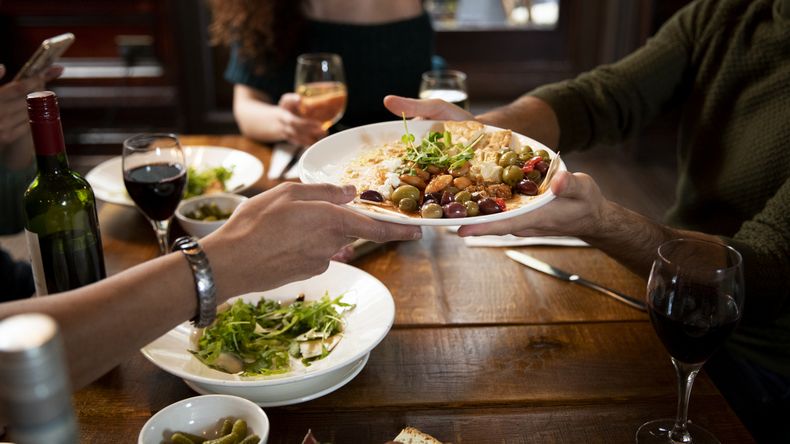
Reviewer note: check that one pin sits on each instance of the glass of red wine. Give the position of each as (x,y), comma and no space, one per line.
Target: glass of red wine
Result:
(155,173)
(695,299)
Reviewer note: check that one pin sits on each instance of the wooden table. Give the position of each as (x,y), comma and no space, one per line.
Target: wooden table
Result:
(482,350)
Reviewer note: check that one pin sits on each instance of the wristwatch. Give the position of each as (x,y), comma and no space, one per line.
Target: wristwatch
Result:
(204,280)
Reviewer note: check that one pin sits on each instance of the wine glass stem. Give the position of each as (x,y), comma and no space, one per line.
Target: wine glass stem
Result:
(161,228)
(686,374)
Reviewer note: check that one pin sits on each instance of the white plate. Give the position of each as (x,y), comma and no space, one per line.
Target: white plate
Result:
(327,159)
(366,326)
(294,393)
(106,178)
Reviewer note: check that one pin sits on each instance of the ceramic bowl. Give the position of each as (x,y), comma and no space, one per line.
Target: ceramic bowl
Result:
(225,201)
(203,416)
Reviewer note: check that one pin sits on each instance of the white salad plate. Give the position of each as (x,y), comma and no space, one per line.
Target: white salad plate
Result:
(327,160)
(366,325)
(106,178)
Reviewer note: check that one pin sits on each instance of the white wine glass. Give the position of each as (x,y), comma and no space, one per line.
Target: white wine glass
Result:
(448,85)
(155,174)
(695,298)
(321,83)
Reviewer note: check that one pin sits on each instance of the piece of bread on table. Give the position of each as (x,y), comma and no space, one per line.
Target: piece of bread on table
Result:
(410,435)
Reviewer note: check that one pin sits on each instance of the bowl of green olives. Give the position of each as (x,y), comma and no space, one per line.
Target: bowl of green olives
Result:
(224,418)
(201,215)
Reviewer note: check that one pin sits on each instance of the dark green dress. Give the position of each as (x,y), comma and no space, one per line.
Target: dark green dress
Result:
(378,59)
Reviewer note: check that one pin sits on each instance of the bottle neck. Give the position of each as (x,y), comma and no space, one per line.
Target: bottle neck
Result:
(49,145)
(52,163)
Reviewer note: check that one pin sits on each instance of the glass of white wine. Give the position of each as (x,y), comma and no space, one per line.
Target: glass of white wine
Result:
(320,81)
(448,85)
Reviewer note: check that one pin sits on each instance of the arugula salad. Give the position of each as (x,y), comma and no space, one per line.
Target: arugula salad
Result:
(211,180)
(261,339)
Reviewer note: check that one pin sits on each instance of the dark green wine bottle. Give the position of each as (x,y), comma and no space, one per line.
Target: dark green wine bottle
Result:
(61,224)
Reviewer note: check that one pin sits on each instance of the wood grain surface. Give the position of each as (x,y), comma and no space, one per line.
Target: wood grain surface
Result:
(482,350)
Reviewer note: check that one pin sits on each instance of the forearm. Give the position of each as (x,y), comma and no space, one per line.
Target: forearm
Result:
(633,239)
(104,323)
(528,115)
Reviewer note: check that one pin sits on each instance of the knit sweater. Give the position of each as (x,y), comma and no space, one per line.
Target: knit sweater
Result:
(727,63)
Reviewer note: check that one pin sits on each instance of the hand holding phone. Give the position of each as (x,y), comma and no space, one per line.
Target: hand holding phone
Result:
(45,55)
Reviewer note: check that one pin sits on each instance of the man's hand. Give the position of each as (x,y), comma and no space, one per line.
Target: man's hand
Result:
(579,209)
(433,109)
(290,233)
(298,130)
(13,110)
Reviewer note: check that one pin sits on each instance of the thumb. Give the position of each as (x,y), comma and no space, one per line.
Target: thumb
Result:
(2,70)
(290,101)
(572,185)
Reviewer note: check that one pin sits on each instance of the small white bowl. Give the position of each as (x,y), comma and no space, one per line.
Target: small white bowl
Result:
(203,416)
(225,201)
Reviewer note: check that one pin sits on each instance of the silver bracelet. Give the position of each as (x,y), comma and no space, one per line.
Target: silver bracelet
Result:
(204,280)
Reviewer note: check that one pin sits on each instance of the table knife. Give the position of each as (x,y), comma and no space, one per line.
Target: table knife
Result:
(543,267)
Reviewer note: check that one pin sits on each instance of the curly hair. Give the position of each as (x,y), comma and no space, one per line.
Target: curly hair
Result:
(264,31)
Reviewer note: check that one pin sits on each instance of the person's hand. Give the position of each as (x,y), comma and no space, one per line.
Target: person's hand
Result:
(289,233)
(578,210)
(13,108)
(298,130)
(434,109)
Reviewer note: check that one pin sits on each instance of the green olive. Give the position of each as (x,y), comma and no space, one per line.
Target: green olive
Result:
(463,196)
(545,155)
(252,439)
(404,191)
(512,174)
(472,209)
(508,158)
(407,204)
(534,176)
(522,150)
(180,438)
(526,155)
(452,190)
(431,210)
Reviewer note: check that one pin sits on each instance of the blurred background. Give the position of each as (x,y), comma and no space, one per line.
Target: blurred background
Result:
(146,65)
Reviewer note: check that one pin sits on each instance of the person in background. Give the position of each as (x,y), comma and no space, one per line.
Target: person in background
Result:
(727,63)
(385,47)
(17,169)
(285,234)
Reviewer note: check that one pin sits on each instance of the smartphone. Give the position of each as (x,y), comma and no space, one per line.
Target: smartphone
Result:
(45,55)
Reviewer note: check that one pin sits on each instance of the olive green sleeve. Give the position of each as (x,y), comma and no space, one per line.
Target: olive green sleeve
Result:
(612,102)
(12,188)
(764,242)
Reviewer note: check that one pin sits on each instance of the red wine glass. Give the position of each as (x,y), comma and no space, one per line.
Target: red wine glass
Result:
(155,173)
(695,299)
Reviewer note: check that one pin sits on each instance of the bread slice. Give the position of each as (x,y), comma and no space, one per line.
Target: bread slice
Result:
(410,435)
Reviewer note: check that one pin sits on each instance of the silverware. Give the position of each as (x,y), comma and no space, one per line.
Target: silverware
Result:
(293,161)
(543,267)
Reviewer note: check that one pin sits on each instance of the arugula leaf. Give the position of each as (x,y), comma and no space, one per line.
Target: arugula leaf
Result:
(265,335)
(437,149)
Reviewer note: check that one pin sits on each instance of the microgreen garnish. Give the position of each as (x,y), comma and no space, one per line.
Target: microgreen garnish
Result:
(437,149)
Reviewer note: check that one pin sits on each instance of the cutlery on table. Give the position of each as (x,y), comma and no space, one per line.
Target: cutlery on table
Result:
(550,270)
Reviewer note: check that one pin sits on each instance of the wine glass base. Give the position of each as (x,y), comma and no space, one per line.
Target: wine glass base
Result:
(657,432)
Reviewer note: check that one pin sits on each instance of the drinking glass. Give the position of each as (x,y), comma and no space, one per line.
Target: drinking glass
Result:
(695,299)
(155,173)
(448,85)
(320,81)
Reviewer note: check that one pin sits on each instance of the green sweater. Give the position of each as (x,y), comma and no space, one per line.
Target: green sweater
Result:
(727,62)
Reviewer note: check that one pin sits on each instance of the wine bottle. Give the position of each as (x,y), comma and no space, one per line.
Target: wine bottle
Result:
(35,393)
(61,225)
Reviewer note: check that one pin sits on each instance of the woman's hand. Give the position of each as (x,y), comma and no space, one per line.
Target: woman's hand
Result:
(298,130)
(290,233)
(13,108)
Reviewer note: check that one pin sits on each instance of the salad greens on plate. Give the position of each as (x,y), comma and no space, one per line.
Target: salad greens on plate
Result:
(261,339)
(207,181)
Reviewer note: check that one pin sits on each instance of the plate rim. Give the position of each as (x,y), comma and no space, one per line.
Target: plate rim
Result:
(128,202)
(263,382)
(539,201)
